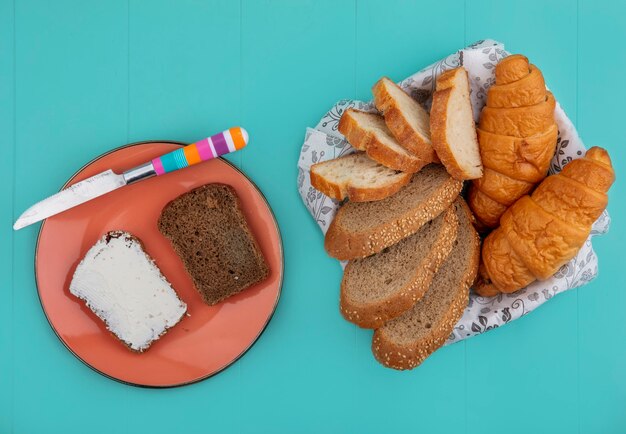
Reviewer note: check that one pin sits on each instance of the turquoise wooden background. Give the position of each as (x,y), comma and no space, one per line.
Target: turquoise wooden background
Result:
(78,78)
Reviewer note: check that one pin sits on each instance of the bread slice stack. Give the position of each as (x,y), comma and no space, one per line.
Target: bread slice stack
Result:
(404,342)
(361,229)
(406,233)
(383,286)
(395,143)
(368,132)
(403,139)
(413,291)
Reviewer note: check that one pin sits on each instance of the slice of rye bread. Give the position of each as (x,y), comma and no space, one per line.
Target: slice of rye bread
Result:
(211,236)
(407,120)
(360,229)
(368,132)
(357,177)
(452,127)
(385,285)
(404,342)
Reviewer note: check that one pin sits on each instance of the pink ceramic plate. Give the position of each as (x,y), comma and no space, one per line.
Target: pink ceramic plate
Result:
(206,341)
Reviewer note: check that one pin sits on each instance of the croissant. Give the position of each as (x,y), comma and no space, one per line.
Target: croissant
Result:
(540,233)
(517,137)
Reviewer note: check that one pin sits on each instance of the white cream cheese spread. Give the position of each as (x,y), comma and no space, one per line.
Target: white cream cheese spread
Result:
(123,286)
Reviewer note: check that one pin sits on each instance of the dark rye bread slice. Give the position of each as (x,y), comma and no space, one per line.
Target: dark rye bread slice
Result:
(362,229)
(385,285)
(209,232)
(404,342)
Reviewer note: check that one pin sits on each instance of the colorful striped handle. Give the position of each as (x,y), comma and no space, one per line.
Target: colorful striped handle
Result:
(222,143)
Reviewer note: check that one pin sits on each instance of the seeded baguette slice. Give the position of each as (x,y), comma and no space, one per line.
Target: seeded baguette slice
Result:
(404,342)
(385,285)
(357,177)
(368,132)
(408,121)
(361,229)
(452,127)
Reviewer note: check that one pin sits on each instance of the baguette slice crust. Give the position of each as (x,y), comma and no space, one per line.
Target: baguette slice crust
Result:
(452,127)
(407,120)
(360,229)
(383,286)
(368,132)
(404,342)
(357,177)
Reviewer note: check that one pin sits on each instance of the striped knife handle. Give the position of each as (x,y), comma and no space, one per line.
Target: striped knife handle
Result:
(222,143)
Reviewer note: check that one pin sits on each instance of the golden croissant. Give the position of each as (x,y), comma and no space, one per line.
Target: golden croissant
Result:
(541,232)
(517,136)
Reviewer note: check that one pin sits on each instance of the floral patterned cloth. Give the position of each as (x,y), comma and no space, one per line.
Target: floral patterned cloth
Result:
(324,142)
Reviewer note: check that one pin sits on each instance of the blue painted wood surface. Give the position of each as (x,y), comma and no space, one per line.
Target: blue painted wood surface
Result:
(78,78)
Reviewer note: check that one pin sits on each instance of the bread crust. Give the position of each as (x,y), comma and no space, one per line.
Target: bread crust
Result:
(594,171)
(528,90)
(504,269)
(519,121)
(401,357)
(527,159)
(512,68)
(399,125)
(375,315)
(542,232)
(557,196)
(501,188)
(356,193)
(542,240)
(486,210)
(439,121)
(517,136)
(376,149)
(342,243)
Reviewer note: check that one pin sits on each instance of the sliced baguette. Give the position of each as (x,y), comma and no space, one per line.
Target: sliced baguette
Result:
(361,229)
(452,127)
(383,286)
(368,132)
(404,342)
(357,177)
(406,119)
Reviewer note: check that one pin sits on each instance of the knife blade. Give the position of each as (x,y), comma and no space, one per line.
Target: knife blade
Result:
(105,182)
(72,196)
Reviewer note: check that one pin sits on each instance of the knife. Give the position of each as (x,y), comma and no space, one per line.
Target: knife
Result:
(223,143)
